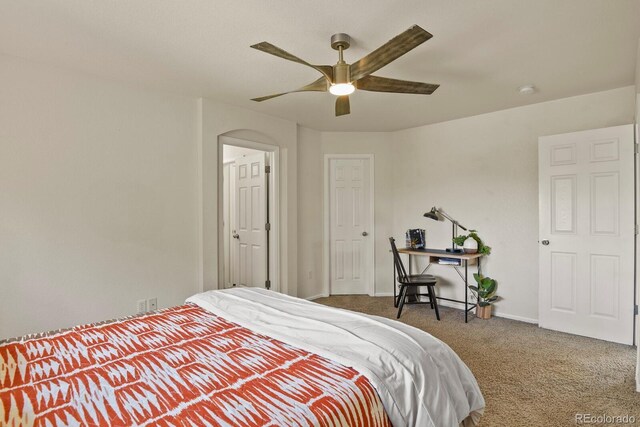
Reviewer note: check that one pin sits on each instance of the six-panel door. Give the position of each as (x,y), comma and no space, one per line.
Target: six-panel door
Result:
(251,220)
(350,226)
(587,229)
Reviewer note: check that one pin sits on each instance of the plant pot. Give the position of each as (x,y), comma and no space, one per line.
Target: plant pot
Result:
(483,312)
(470,246)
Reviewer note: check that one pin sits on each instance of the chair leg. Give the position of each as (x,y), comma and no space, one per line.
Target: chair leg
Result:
(403,295)
(432,297)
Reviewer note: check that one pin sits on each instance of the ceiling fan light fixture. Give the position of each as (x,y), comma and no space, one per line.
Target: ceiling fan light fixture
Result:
(341,89)
(342,78)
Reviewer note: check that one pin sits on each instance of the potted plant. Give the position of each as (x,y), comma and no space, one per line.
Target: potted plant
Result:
(485,294)
(473,234)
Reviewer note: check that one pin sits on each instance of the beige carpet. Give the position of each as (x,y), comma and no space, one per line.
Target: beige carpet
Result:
(528,376)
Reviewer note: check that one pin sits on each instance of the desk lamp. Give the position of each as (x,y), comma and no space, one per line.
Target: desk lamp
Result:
(433,214)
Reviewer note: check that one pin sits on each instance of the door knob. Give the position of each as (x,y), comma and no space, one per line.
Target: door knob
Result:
(545,242)
(236,236)
(365,234)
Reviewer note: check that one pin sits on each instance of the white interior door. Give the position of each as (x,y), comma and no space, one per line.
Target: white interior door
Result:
(251,220)
(351,246)
(587,230)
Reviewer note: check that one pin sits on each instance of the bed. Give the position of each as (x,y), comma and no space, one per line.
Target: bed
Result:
(237,357)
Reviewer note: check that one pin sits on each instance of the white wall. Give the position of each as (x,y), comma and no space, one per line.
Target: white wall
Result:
(98,198)
(220,119)
(310,190)
(109,195)
(482,170)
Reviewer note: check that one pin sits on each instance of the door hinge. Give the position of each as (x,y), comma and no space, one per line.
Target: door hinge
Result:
(267,169)
(635,311)
(267,284)
(637,229)
(267,226)
(636,150)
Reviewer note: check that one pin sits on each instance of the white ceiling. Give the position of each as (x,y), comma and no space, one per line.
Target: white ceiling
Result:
(481,52)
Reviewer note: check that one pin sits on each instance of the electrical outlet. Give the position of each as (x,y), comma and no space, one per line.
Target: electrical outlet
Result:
(152,304)
(141,306)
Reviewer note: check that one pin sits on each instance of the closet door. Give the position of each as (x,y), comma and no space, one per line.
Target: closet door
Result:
(350,223)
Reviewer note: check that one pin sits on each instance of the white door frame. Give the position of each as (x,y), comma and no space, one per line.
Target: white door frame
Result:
(326,259)
(636,171)
(226,219)
(274,206)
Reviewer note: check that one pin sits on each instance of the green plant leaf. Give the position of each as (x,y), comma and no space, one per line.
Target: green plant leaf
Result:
(478,277)
(483,303)
(459,240)
(473,288)
(484,250)
(489,286)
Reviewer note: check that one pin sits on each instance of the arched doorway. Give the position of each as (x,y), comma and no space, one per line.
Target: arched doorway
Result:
(248,220)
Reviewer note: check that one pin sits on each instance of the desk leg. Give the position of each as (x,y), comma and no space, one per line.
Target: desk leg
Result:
(466,292)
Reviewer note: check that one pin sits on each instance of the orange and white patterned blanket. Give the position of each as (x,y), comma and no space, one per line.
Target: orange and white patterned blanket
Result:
(180,366)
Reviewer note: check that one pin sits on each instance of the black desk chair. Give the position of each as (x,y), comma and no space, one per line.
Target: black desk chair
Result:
(415,280)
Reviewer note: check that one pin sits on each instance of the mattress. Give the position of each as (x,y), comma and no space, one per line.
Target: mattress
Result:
(239,357)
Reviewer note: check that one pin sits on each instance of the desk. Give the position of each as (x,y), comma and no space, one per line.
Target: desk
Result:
(434,257)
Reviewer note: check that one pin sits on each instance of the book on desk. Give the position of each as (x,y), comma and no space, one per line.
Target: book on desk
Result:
(449,261)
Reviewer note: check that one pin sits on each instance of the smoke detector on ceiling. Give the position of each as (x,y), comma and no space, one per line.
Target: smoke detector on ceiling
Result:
(527,89)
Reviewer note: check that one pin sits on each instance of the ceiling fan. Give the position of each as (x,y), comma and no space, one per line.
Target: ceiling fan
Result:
(343,79)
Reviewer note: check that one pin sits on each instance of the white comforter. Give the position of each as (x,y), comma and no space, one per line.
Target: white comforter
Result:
(419,379)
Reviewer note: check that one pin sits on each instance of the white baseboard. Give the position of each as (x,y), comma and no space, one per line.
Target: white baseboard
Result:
(311,298)
(451,304)
(460,306)
(384,294)
(515,317)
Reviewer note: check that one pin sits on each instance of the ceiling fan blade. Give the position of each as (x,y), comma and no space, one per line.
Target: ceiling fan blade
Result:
(326,70)
(319,85)
(388,52)
(384,84)
(342,105)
